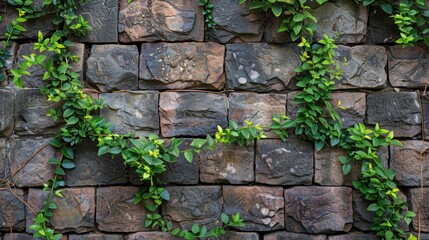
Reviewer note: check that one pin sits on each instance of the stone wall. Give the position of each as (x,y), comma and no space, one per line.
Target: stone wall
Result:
(160,71)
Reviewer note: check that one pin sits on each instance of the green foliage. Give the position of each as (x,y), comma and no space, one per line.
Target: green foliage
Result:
(243,135)
(208,13)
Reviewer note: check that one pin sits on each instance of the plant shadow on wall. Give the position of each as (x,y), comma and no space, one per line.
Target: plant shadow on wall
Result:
(316,119)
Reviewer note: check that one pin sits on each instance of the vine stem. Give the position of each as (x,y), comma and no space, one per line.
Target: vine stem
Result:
(29,159)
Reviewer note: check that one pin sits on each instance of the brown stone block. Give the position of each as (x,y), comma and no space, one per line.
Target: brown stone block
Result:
(74,213)
(420,201)
(292,236)
(182,66)
(12,210)
(354,236)
(262,208)
(229,235)
(354,107)
(316,209)
(200,205)
(96,236)
(151,236)
(7,108)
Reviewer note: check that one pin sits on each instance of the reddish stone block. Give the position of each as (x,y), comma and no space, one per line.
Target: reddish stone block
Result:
(151,236)
(420,201)
(96,236)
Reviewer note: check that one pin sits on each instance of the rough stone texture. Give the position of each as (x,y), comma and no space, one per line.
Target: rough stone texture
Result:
(362,218)
(182,65)
(102,16)
(4,169)
(408,67)
(405,161)
(425,106)
(354,236)
(328,168)
(78,49)
(381,27)
(284,163)
(316,209)
(363,66)
(262,208)
(227,163)
(272,35)
(151,21)
(9,61)
(31,111)
(113,67)
(194,205)
(12,210)
(292,236)
(191,113)
(239,236)
(236,23)
(96,236)
(116,211)
(135,112)
(397,111)
(18,236)
(260,67)
(74,213)
(354,105)
(92,170)
(151,236)
(258,108)
(346,18)
(37,171)
(417,202)
(7,108)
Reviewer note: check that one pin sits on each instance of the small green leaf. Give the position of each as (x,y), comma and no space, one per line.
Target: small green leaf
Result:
(195,229)
(59,171)
(188,155)
(67,164)
(224,218)
(165,195)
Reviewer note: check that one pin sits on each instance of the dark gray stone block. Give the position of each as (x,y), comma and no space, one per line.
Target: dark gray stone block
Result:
(7,108)
(12,210)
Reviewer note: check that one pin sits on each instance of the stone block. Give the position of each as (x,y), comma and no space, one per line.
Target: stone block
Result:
(116,211)
(182,65)
(94,170)
(96,236)
(261,67)
(381,27)
(354,236)
(18,236)
(152,21)
(363,66)
(229,235)
(258,108)
(102,16)
(272,35)
(74,213)
(425,106)
(7,108)
(78,49)
(284,163)
(10,60)
(132,112)
(262,208)
(344,18)
(316,209)
(236,23)
(194,205)
(408,67)
(191,113)
(227,164)
(20,152)
(151,236)
(405,161)
(31,109)
(4,169)
(397,111)
(292,236)
(113,67)
(354,107)
(12,210)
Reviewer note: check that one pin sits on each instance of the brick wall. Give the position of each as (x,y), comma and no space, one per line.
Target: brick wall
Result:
(159,71)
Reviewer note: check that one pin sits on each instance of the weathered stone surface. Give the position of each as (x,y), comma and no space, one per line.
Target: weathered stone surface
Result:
(113,67)
(96,236)
(236,23)
(11,50)
(381,27)
(272,35)
(420,201)
(354,107)
(227,163)
(363,66)
(116,211)
(344,18)
(31,111)
(239,236)
(12,210)
(4,170)
(197,204)
(191,113)
(258,108)
(7,108)
(405,161)
(74,213)
(151,236)
(292,236)
(78,49)
(408,67)
(316,209)
(37,171)
(134,111)
(284,163)
(18,236)
(425,106)
(102,16)
(92,170)
(260,67)
(354,236)
(151,21)
(262,208)
(397,111)
(182,65)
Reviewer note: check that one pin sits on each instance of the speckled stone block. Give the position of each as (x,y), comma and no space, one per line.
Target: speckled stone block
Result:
(292,236)
(7,108)
(12,210)
(261,208)
(182,66)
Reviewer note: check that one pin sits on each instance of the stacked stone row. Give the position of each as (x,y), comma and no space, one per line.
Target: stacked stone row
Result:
(175,84)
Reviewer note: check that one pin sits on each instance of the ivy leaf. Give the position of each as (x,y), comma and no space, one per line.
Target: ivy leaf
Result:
(67,164)
(195,228)
(67,152)
(188,156)
(224,218)
(165,195)
(59,171)
(277,10)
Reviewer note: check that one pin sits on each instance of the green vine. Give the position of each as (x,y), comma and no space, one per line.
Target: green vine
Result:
(208,13)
